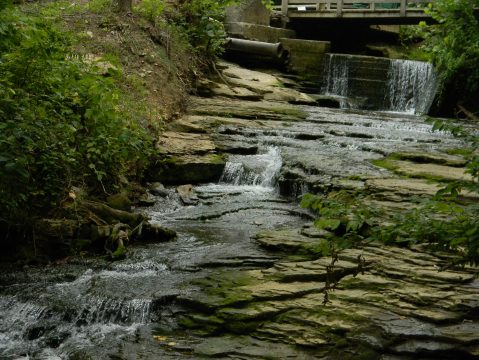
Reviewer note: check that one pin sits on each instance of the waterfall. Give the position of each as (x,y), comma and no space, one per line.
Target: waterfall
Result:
(336,72)
(366,82)
(257,170)
(411,86)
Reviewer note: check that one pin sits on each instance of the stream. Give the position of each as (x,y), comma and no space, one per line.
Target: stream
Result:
(88,308)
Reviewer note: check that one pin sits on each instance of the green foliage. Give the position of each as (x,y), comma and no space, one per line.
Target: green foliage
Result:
(443,224)
(453,46)
(203,21)
(470,153)
(99,6)
(438,222)
(268,4)
(340,213)
(60,121)
(150,9)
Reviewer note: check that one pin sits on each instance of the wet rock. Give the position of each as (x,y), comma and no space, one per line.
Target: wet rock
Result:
(34,332)
(247,347)
(146,200)
(151,232)
(288,239)
(187,194)
(384,298)
(158,189)
(236,147)
(327,101)
(56,339)
(180,169)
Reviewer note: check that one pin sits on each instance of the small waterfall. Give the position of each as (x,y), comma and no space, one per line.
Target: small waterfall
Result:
(336,72)
(257,170)
(411,86)
(365,82)
(106,310)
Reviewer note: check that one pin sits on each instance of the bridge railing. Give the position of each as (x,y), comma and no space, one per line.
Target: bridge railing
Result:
(342,6)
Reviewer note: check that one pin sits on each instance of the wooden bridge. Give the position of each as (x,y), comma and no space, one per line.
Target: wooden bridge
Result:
(376,11)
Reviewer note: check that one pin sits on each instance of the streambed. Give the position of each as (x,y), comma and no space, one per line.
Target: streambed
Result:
(135,308)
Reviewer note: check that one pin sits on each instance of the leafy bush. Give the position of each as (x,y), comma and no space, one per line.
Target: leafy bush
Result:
(203,22)
(60,121)
(453,47)
(150,9)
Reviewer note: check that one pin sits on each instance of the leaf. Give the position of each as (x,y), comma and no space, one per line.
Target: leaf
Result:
(327,224)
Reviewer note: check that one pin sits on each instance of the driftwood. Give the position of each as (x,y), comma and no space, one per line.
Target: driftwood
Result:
(110,215)
(117,241)
(470,115)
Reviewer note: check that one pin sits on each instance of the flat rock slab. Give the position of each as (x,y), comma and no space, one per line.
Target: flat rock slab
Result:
(285,239)
(380,298)
(401,187)
(434,171)
(242,109)
(186,143)
(236,72)
(432,158)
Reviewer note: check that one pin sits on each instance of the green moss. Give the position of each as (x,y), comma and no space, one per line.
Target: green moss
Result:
(459,151)
(120,253)
(226,287)
(355,177)
(427,158)
(296,113)
(385,163)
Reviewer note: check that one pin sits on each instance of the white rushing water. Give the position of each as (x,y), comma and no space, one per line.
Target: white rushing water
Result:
(337,80)
(402,86)
(255,170)
(411,85)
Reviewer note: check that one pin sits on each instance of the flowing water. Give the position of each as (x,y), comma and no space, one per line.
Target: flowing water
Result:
(90,308)
(403,86)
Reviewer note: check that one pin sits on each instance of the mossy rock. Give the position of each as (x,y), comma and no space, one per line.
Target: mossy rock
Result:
(188,169)
(119,201)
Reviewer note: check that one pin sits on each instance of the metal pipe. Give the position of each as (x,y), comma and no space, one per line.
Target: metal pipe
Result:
(256,47)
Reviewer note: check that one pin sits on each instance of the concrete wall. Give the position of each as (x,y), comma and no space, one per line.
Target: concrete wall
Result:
(255,32)
(305,56)
(248,11)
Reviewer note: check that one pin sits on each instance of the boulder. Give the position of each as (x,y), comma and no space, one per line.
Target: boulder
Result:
(187,194)
(158,189)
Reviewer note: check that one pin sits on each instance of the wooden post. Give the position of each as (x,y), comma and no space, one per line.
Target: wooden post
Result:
(403,7)
(284,7)
(284,13)
(339,9)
